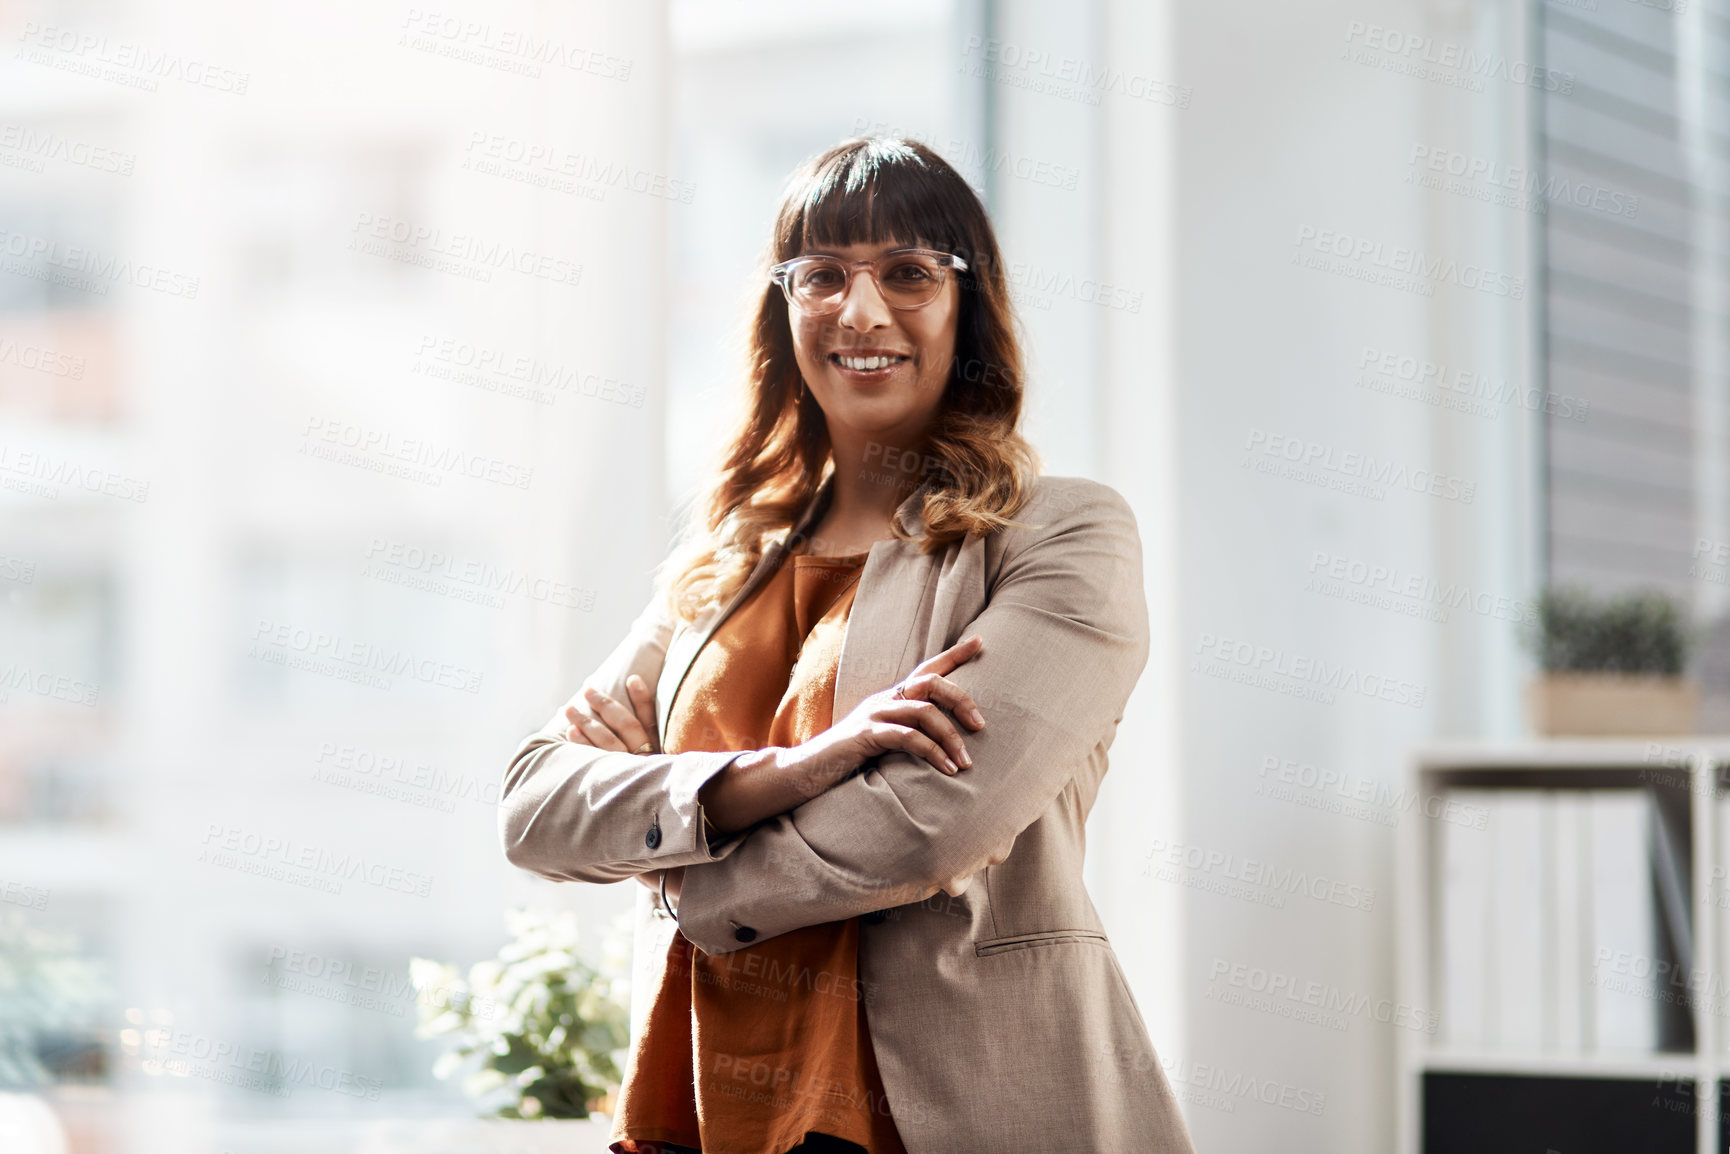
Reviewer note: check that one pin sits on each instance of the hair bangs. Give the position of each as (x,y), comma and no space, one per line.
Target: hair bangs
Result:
(880,192)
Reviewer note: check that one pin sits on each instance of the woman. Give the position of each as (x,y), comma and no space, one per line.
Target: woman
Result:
(852,743)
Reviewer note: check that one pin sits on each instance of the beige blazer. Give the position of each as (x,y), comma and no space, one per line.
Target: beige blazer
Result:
(1000,1018)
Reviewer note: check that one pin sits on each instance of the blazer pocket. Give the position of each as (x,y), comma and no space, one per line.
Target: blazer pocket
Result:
(990,946)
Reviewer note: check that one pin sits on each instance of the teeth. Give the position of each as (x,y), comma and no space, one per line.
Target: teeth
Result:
(865,364)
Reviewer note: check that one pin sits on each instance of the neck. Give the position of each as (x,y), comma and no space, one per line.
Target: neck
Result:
(873,474)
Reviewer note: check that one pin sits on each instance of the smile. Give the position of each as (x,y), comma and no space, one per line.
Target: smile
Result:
(871,364)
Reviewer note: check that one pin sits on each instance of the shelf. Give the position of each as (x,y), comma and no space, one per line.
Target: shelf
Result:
(1687,777)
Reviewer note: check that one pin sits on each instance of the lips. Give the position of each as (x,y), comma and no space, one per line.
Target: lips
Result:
(867,362)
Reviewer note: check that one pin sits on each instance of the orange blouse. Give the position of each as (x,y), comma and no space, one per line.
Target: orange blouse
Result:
(778,1029)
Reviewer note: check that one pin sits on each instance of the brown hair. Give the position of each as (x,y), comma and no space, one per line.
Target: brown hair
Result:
(979,468)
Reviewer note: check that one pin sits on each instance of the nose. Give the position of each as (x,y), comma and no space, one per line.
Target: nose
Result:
(863,307)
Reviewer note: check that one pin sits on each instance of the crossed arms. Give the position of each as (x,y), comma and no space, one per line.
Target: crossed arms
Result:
(1065,639)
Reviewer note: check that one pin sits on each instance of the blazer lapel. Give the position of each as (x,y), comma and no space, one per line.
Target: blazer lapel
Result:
(887,605)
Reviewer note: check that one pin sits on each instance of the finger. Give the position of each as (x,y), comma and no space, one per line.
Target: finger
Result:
(600,736)
(927,717)
(617,718)
(952,658)
(936,687)
(643,701)
(574,731)
(892,736)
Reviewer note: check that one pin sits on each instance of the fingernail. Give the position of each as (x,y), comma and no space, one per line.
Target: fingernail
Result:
(976,717)
(951,766)
(966,758)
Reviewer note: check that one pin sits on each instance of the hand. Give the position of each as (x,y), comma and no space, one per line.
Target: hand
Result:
(608,724)
(906,717)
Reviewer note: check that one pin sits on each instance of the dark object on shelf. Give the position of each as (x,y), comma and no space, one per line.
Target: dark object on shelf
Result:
(1511,1114)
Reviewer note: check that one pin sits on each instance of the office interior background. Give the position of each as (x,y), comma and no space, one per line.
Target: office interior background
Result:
(1384,316)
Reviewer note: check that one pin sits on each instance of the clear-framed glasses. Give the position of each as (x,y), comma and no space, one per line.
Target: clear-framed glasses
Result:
(908,278)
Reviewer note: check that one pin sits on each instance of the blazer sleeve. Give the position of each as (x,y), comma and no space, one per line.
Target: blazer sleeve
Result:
(571,812)
(1065,639)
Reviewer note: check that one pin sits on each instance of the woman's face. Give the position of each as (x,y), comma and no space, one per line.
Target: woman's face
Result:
(894,403)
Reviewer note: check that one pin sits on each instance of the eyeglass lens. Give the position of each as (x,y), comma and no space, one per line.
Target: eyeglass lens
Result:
(906,280)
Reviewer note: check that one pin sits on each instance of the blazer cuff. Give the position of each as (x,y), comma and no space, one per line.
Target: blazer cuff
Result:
(592,816)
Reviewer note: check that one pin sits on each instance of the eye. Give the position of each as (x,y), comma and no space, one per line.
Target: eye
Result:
(911,272)
(820,276)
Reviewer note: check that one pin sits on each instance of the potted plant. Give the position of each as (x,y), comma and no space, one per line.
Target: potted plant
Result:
(545,1027)
(1611,666)
(48,990)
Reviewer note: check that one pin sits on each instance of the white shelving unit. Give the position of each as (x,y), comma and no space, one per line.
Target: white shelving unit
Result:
(1572,764)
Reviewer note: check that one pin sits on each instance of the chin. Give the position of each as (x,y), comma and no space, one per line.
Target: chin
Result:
(865,410)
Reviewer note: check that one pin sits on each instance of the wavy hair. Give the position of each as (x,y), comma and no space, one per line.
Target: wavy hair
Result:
(978,469)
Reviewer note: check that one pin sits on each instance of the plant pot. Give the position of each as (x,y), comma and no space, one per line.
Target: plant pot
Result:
(29,1126)
(1611,705)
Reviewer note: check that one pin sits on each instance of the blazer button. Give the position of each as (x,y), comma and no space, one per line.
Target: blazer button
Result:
(745,934)
(652,839)
(875,917)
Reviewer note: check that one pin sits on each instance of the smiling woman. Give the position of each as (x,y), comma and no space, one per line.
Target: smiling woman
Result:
(860,931)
